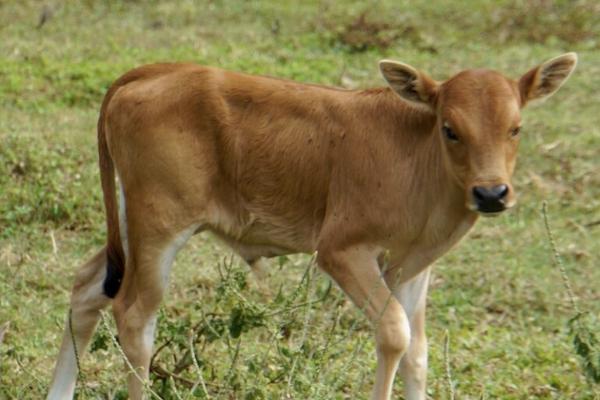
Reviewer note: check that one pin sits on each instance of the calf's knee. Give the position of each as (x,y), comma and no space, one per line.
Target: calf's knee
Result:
(393,335)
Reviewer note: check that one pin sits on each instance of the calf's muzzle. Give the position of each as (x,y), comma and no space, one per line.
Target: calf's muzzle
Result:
(490,199)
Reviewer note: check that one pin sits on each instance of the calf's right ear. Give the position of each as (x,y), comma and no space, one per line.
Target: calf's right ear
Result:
(409,83)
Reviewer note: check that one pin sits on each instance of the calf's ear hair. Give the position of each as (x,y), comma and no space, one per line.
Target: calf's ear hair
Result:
(409,83)
(544,80)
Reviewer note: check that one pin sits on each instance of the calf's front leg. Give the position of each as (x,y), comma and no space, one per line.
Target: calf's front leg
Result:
(413,366)
(356,271)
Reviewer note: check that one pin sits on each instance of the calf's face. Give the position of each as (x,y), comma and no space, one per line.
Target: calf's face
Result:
(479,122)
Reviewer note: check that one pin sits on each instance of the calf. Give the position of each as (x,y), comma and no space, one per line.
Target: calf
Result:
(273,167)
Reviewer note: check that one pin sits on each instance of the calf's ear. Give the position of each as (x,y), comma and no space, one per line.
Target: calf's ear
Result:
(409,83)
(544,80)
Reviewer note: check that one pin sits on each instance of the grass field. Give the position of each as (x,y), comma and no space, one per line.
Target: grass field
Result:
(293,335)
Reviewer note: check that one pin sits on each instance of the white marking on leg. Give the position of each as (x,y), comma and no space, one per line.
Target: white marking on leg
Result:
(63,385)
(413,366)
(168,255)
(413,294)
(149,330)
(87,298)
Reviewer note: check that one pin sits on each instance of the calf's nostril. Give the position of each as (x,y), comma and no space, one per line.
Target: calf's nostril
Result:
(479,193)
(500,191)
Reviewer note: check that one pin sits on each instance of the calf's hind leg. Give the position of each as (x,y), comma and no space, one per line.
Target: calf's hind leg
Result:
(135,307)
(87,299)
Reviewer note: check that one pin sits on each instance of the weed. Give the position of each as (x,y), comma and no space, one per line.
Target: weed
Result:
(580,326)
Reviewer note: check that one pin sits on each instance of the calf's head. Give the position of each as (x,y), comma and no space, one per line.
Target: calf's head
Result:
(479,121)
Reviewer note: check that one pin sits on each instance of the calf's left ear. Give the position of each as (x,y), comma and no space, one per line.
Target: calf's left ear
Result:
(544,80)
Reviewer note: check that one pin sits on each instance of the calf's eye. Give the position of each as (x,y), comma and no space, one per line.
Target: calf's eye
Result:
(449,133)
(515,131)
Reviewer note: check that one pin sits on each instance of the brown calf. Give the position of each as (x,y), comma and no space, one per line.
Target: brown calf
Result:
(273,167)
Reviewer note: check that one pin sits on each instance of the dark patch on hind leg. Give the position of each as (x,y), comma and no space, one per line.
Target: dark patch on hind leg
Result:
(112,282)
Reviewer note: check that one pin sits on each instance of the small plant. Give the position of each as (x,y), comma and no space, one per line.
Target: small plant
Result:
(451,393)
(585,342)
(182,345)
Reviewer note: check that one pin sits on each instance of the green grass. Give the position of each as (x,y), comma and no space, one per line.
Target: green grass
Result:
(497,293)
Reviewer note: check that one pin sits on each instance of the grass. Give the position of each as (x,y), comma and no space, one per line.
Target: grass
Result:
(293,335)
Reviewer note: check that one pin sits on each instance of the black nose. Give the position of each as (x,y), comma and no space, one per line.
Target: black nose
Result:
(490,199)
